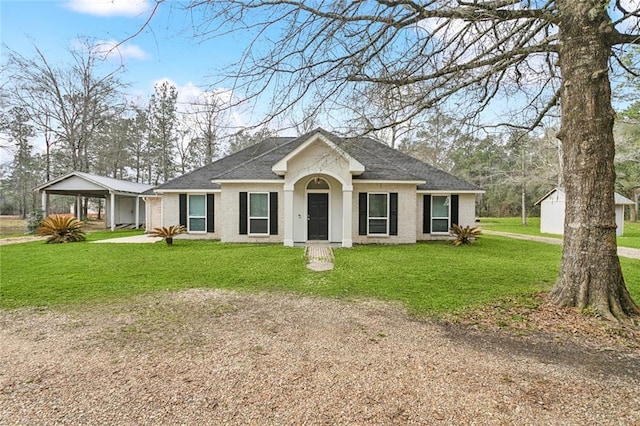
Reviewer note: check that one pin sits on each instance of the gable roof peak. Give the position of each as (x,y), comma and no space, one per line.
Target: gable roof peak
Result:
(331,140)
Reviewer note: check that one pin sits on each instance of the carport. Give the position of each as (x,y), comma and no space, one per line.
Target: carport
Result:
(123,203)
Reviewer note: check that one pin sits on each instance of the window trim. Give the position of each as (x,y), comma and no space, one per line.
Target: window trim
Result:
(189,216)
(249,217)
(434,217)
(386,218)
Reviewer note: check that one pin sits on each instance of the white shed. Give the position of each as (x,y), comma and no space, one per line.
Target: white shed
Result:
(123,203)
(552,212)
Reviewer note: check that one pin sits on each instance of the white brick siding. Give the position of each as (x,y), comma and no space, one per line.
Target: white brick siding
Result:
(229,212)
(153,213)
(466,215)
(171,214)
(467,210)
(406,216)
(170,209)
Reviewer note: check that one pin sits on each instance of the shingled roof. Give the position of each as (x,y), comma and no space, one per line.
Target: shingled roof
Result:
(380,161)
(201,178)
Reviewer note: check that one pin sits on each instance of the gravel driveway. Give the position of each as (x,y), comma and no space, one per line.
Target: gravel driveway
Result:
(216,357)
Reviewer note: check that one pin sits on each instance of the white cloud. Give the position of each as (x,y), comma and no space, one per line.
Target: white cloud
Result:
(631,23)
(112,49)
(190,95)
(109,7)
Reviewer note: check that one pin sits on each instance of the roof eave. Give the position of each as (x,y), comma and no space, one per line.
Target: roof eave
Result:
(221,181)
(186,191)
(54,181)
(389,181)
(451,191)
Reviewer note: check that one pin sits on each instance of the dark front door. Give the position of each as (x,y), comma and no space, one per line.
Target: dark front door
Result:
(317,216)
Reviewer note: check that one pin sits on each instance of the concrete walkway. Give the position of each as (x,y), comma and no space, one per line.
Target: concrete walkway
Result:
(17,240)
(135,239)
(631,253)
(319,257)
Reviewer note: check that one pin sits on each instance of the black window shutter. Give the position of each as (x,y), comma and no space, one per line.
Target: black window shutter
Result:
(210,212)
(183,209)
(455,203)
(362,213)
(243,213)
(273,213)
(426,214)
(393,213)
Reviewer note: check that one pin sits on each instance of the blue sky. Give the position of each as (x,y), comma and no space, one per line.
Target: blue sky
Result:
(163,50)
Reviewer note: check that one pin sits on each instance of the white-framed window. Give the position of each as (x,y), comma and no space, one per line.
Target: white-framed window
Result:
(258,213)
(197,220)
(440,214)
(378,213)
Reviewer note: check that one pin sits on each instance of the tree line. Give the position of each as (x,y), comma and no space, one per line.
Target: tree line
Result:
(78,114)
(75,116)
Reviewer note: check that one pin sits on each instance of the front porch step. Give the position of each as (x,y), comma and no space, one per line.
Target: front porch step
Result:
(120,226)
(319,257)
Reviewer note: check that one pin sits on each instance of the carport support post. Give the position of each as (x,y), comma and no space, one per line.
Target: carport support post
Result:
(112,211)
(288,217)
(137,212)
(43,196)
(347,202)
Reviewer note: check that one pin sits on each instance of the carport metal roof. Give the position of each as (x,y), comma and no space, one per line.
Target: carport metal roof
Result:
(88,185)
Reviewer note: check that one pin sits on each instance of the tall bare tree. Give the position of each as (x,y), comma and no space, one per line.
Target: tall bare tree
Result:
(205,116)
(434,138)
(113,155)
(382,110)
(467,53)
(68,102)
(244,138)
(187,155)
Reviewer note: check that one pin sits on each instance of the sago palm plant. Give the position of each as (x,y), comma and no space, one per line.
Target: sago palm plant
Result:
(168,233)
(61,229)
(464,235)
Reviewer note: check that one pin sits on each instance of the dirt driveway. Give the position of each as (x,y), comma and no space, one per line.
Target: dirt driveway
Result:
(632,253)
(215,357)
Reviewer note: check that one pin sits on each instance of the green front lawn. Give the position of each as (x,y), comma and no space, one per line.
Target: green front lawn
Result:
(429,278)
(514,225)
(631,237)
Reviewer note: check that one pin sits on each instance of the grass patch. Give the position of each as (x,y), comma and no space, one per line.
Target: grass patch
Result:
(631,237)
(514,225)
(106,234)
(428,278)
(12,226)
(35,274)
(437,277)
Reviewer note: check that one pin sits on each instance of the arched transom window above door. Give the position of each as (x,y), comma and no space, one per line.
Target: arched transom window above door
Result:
(317,183)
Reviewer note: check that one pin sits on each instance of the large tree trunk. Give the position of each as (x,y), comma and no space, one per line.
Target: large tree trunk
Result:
(590,273)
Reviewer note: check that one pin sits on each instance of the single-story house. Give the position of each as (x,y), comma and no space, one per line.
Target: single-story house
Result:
(552,206)
(315,187)
(123,204)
